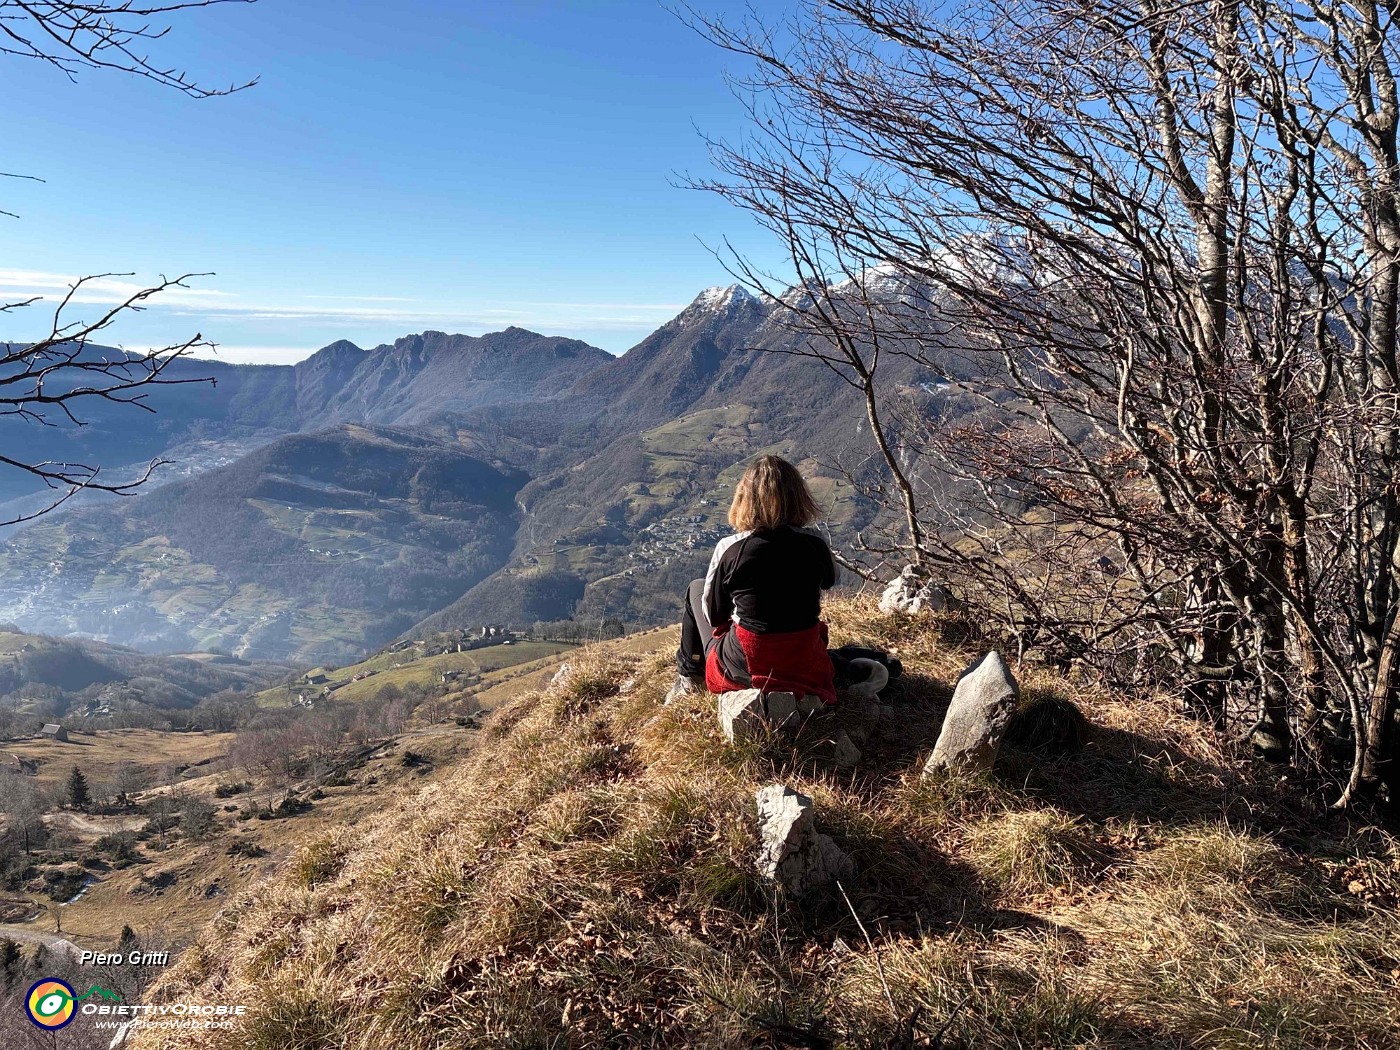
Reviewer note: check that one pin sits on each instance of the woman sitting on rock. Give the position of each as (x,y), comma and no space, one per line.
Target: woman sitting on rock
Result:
(754,621)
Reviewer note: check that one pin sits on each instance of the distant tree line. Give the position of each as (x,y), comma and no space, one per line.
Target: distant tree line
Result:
(578,631)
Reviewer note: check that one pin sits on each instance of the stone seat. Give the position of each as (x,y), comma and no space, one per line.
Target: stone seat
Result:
(744,713)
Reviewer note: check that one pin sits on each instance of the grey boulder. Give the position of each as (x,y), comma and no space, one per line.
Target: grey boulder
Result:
(983,702)
(844,752)
(792,853)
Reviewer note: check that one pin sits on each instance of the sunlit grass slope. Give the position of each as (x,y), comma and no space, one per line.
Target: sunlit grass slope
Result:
(585,879)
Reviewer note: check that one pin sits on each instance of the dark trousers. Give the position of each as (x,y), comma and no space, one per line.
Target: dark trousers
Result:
(695,632)
(696,641)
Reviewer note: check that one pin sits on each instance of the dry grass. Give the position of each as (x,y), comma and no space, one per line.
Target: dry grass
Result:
(1035,850)
(585,879)
(237,854)
(103,753)
(317,862)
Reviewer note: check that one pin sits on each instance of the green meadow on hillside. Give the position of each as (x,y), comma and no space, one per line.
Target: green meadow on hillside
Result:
(408,667)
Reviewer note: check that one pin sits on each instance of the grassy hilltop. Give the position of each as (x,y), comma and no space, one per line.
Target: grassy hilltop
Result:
(585,878)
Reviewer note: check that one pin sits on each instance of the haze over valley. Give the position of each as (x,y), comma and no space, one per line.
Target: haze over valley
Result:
(438,482)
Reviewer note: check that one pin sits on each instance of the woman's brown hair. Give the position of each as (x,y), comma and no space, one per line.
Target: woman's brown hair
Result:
(771,494)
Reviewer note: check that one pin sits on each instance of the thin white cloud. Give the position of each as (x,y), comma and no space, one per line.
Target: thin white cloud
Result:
(21,285)
(554,317)
(528,318)
(256,355)
(366,298)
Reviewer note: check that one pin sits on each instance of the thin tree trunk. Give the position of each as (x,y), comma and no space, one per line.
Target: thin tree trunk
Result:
(907,497)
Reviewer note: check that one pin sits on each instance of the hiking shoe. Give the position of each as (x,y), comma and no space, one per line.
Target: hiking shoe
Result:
(871,676)
(684,685)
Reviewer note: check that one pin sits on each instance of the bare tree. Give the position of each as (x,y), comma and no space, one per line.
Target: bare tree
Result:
(1165,240)
(24,805)
(130,779)
(162,813)
(47,382)
(273,748)
(101,34)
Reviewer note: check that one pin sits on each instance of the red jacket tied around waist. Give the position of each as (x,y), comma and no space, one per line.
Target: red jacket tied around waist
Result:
(790,662)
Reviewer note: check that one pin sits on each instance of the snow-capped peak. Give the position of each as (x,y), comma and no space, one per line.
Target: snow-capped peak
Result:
(721,297)
(883,278)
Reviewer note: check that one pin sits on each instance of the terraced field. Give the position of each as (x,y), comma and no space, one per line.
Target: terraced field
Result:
(403,668)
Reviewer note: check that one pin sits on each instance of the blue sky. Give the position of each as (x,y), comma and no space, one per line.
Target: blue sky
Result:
(418,164)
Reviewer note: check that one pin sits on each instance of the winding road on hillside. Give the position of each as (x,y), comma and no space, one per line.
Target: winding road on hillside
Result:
(26,935)
(79,822)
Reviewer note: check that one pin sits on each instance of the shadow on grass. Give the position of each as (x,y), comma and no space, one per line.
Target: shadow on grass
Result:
(1121,775)
(904,888)
(1116,774)
(904,883)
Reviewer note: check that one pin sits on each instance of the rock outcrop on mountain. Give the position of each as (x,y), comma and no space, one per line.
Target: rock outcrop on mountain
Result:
(912,592)
(422,377)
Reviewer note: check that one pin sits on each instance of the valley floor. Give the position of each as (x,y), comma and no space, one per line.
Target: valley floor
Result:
(170,887)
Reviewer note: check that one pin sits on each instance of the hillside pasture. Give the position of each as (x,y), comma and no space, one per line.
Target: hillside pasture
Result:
(408,668)
(101,754)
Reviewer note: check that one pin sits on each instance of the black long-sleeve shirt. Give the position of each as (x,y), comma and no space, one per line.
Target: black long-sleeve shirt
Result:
(769,581)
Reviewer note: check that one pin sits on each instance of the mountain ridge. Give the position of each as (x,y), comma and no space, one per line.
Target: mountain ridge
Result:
(625,464)
(314,546)
(248,405)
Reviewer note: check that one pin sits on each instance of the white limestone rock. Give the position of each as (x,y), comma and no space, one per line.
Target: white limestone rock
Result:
(913,593)
(780,709)
(744,713)
(982,705)
(792,852)
(741,715)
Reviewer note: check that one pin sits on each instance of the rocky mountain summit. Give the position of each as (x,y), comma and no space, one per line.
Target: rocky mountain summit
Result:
(415,378)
